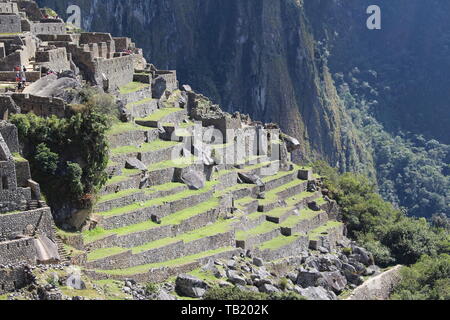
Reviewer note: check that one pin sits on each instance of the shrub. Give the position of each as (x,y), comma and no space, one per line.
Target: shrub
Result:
(233,293)
(151,288)
(68,157)
(428,279)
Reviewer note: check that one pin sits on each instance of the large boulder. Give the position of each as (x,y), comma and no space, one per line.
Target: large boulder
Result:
(308,278)
(268,288)
(190,286)
(362,255)
(292,144)
(133,163)
(250,179)
(235,278)
(316,293)
(195,180)
(334,281)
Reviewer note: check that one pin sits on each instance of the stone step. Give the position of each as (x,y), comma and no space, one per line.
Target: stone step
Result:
(326,235)
(282,247)
(133,137)
(149,153)
(180,222)
(136,213)
(162,117)
(165,250)
(129,179)
(250,238)
(307,221)
(160,272)
(130,196)
(142,108)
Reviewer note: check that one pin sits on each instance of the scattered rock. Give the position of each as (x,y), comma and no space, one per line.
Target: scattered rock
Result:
(316,293)
(133,163)
(268,288)
(250,179)
(258,262)
(190,286)
(235,278)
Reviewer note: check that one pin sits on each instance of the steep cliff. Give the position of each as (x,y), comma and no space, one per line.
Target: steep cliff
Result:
(255,57)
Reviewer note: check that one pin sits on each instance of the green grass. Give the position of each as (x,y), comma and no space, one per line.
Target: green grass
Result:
(146,204)
(323,230)
(173,219)
(216,228)
(105,252)
(114,196)
(160,114)
(126,174)
(133,87)
(305,214)
(121,127)
(271,195)
(179,163)
(18,157)
(278,242)
(146,147)
(264,227)
(131,105)
(171,263)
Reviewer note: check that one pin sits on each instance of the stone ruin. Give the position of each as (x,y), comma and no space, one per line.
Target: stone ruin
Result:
(187,181)
(26,223)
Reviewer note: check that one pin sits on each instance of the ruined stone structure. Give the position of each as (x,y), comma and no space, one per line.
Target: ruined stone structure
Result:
(187,181)
(26,223)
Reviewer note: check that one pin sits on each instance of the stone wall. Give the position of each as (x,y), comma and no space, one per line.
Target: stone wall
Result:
(10,23)
(9,133)
(13,224)
(293,249)
(17,251)
(41,106)
(118,71)
(55,59)
(48,28)
(13,278)
(9,7)
(379,287)
(10,76)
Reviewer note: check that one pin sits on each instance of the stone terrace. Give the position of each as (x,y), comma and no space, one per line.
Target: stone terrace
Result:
(148,225)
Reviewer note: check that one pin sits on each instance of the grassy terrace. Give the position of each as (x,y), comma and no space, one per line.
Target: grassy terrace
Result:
(133,87)
(18,157)
(146,147)
(131,105)
(126,173)
(216,228)
(160,114)
(113,196)
(150,203)
(271,195)
(178,163)
(305,214)
(173,219)
(278,242)
(121,127)
(323,230)
(264,227)
(171,263)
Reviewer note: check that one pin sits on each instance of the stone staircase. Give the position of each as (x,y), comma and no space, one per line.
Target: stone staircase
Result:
(155,231)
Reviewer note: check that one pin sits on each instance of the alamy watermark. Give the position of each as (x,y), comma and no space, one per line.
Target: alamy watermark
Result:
(374,20)
(74,15)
